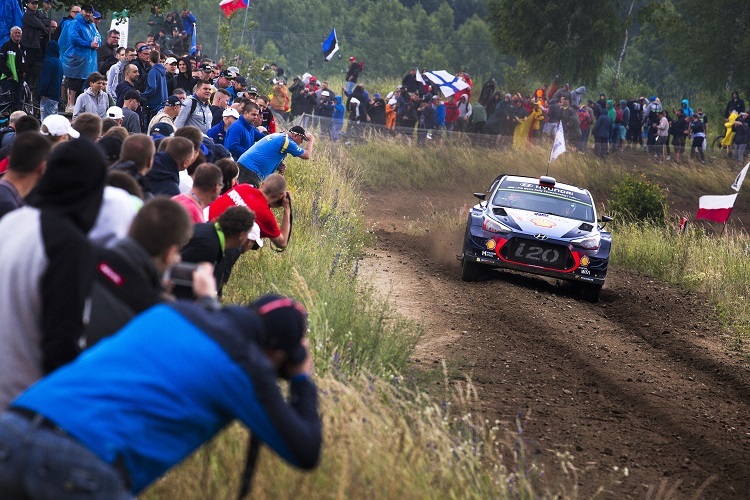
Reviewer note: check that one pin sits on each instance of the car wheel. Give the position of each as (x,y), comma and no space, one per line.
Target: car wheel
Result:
(470,271)
(590,292)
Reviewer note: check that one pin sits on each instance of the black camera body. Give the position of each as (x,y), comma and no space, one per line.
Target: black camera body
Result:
(181,274)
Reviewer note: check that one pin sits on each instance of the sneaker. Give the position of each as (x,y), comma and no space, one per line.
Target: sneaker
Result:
(69,109)
(669,158)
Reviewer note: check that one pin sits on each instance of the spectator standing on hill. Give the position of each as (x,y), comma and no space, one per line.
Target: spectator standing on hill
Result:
(11,69)
(34,28)
(28,160)
(601,131)
(196,111)
(734,104)
(94,99)
(352,74)
(243,134)
(164,176)
(266,156)
(207,183)
(219,131)
(155,92)
(78,44)
(698,131)
(680,130)
(106,54)
(50,81)
(741,137)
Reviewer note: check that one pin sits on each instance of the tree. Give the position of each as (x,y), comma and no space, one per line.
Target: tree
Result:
(566,37)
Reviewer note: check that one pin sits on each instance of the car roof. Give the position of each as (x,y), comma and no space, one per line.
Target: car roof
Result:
(523,183)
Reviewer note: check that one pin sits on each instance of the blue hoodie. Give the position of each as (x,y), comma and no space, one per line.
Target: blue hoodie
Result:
(156,87)
(686,107)
(50,77)
(338,111)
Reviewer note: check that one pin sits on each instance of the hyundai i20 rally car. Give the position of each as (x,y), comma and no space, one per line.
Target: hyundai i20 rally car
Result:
(537,226)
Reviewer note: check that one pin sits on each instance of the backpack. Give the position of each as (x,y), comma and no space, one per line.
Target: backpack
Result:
(4,131)
(618,115)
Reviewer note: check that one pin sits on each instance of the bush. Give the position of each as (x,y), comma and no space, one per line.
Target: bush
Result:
(635,199)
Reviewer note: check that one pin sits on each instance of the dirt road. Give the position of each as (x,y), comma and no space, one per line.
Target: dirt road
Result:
(645,379)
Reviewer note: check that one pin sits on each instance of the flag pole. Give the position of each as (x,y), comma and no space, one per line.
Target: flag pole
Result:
(242,36)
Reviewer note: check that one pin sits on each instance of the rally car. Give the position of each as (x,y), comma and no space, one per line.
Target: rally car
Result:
(537,226)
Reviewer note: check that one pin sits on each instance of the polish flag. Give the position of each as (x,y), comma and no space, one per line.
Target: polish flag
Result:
(229,6)
(716,208)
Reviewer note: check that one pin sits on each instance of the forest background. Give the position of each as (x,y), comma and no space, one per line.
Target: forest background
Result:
(670,48)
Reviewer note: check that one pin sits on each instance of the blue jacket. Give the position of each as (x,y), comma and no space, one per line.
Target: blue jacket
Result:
(240,137)
(50,77)
(217,133)
(187,25)
(150,411)
(440,116)
(164,175)
(338,111)
(156,87)
(78,58)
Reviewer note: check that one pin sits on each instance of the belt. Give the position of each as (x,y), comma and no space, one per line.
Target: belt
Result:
(37,419)
(40,421)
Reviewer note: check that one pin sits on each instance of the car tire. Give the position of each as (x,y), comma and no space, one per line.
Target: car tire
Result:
(590,292)
(470,271)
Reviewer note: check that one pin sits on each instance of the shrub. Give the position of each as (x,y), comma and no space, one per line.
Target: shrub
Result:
(635,199)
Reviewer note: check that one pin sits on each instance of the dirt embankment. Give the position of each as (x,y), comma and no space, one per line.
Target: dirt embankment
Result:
(645,379)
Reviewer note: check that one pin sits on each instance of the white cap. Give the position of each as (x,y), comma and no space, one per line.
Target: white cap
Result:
(254,234)
(325,93)
(231,112)
(114,112)
(57,126)
(170,60)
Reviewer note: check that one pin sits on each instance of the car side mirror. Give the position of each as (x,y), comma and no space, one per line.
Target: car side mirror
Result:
(605,219)
(481,196)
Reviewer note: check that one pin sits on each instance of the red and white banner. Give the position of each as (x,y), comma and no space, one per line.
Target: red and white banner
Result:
(229,6)
(716,208)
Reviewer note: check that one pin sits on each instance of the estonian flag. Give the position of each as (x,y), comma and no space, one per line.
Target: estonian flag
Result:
(331,45)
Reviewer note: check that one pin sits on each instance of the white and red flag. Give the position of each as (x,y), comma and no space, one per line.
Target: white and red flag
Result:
(716,208)
(229,6)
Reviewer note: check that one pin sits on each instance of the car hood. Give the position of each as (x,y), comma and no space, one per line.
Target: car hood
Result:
(552,226)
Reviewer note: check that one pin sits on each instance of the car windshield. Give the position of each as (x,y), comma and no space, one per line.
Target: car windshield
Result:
(544,201)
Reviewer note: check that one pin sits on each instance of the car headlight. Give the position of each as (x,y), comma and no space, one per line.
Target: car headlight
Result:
(589,242)
(493,226)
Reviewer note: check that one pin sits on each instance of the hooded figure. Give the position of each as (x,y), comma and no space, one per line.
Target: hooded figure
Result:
(50,77)
(685,105)
(576,96)
(78,57)
(46,259)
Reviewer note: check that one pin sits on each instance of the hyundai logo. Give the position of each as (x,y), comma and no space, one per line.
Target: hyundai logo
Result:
(540,236)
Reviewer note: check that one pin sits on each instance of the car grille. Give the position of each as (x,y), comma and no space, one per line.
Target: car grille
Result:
(537,253)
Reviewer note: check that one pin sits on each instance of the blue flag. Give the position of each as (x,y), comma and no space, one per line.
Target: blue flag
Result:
(194,43)
(331,45)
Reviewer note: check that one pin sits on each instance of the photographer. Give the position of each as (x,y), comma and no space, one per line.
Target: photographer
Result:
(272,193)
(129,276)
(214,242)
(267,155)
(122,415)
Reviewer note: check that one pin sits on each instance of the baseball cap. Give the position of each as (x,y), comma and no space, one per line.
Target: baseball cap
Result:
(297,130)
(114,112)
(241,80)
(170,60)
(97,15)
(173,100)
(234,69)
(376,95)
(254,235)
(183,32)
(163,129)
(252,90)
(206,68)
(58,125)
(143,48)
(231,112)
(325,93)
(87,7)
(352,58)
(227,74)
(285,323)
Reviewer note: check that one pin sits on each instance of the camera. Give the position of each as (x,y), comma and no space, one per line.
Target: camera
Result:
(277,204)
(181,274)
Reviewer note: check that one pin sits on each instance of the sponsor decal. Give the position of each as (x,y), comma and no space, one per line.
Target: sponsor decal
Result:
(110,274)
(585,261)
(487,253)
(491,244)
(584,271)
(540,236)
(542,222)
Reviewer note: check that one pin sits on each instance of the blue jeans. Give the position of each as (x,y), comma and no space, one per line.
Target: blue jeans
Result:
(37,462)
(349,87)
(47,107)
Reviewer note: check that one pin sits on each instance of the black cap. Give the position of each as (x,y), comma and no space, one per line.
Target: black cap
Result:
(229,75)
(134,94)
(111,147)
(298,131)
(87,7)
(285,323)
(173,100)
(162,128)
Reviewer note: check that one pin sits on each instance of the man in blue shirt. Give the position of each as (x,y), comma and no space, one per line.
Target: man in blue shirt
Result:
(242,134)
(218,132)
(112,422)
(266,156)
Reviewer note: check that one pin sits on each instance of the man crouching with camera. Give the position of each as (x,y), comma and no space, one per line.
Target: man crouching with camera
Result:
(120,416)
